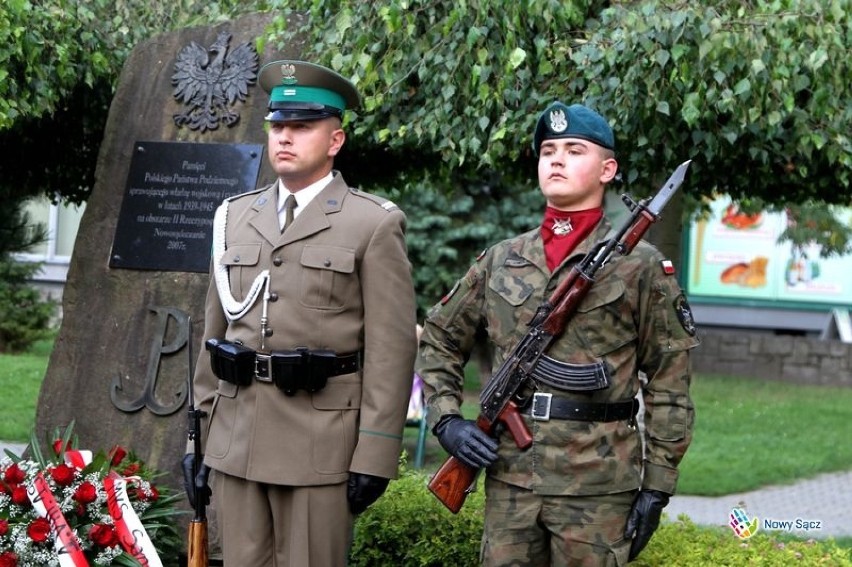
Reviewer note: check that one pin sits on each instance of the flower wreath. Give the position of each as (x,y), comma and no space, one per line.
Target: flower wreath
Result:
(71,508)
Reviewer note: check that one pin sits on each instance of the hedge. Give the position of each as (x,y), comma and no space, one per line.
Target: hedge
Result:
(408,527)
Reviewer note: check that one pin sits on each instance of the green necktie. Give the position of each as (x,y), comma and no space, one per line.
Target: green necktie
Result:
(289,206)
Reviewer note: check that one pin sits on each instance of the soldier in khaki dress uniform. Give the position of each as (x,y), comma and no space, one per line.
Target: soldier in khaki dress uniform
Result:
(309,338)
(584,493)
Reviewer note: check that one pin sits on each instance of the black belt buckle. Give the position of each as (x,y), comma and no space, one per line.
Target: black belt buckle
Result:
(540,409)
(262,368)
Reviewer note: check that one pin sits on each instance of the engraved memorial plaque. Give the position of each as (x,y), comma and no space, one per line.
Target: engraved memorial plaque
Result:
(172,192)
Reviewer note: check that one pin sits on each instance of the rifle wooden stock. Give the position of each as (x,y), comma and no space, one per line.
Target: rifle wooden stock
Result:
(455,480)
(196,551)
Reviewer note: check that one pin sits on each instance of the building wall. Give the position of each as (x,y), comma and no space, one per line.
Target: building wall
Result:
(795,359)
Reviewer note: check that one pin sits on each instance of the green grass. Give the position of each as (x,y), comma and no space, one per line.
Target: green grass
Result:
(20,380)
(751,433)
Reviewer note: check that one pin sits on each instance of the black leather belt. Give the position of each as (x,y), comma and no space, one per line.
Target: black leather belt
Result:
(545,406)
(337,364)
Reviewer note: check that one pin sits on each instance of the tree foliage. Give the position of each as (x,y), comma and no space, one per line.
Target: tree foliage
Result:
(755,92)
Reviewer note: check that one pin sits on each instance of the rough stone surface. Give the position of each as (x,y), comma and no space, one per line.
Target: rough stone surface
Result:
(800,360)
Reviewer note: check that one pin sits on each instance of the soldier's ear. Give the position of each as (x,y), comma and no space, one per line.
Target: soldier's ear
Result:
(609,168)
(337,139)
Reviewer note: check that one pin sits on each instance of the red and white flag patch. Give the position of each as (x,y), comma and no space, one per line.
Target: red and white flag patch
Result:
(668,267)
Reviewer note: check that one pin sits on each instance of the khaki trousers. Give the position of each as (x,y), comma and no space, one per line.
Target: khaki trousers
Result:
(266,525)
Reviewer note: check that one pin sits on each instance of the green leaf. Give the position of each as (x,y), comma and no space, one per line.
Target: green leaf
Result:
(742,87)
(517,57)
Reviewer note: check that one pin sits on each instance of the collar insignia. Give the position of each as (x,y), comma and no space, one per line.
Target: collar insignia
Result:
(558,121)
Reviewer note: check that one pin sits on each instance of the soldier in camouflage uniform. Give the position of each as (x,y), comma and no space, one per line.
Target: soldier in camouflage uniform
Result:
(584,493)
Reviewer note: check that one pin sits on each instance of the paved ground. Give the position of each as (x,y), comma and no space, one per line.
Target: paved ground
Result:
(826,499)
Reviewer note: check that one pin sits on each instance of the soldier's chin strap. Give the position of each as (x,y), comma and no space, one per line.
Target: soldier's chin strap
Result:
(233,309)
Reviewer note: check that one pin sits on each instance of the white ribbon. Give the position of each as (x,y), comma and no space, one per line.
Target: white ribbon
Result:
(131,533)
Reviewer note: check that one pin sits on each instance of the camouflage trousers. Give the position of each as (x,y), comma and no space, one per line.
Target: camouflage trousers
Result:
(524,529)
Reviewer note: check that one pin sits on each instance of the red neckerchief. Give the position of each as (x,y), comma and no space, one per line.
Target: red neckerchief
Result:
(561,231)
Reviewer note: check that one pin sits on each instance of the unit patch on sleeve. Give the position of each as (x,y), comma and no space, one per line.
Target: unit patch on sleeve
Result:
(684,315)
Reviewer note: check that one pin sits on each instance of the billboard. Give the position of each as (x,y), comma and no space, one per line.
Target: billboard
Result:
(736,255)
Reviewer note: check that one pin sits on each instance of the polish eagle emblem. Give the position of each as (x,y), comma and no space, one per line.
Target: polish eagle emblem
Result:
(209,81)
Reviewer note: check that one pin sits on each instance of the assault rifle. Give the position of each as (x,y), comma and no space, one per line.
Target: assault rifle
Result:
(196,549)
(455,480)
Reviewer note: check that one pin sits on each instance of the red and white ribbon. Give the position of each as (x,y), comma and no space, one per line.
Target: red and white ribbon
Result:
(131,533)
(78,459)
(68,549)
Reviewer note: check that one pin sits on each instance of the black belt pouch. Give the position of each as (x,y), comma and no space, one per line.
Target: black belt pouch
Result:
(231,362)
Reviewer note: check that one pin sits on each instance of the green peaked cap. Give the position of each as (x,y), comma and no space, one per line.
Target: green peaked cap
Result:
(299,90)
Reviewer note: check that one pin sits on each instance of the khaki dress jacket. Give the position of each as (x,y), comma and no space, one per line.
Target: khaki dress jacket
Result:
(339,279)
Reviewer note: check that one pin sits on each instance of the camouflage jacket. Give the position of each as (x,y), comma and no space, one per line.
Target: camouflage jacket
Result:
(635,319)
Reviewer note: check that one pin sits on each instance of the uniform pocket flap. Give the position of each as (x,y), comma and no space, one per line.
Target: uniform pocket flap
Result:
(241,255)
(227,389)
(338,395)
(600,295)
(331,258)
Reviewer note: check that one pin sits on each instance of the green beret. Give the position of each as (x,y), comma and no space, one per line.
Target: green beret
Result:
(575,121)
(299,90)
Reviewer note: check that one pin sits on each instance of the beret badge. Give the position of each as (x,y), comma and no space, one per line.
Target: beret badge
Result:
(558,121)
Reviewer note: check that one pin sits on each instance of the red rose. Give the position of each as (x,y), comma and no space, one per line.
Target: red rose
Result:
(86,493)
(4,527)
(117,455)
(130,469)
(62,474)
(14,474)
(19,495)
(8,559)
(39,530)
(103,535)
(57,446)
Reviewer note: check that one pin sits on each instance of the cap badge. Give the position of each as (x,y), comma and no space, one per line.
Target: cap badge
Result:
(558,122)
(561,227)
(288,74)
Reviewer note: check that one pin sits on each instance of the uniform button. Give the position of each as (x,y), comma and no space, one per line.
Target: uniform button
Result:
(327,263)
(267,333)
(236,259)
(273,296)
(277,261)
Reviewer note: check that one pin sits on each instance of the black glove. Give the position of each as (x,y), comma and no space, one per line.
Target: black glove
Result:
(644,518)
(195,484)
(364,489)
(462,439)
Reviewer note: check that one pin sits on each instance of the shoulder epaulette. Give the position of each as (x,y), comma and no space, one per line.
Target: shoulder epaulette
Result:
(386,204)
(246,193)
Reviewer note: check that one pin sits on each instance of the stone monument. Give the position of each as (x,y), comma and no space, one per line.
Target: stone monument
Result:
(185,129)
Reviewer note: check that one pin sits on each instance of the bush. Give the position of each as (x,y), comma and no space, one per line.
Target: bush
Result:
(26,316)
(408,527)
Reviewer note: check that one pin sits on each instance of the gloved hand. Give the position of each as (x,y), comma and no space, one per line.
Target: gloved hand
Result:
(195,484)
(464,440)
(363,489)
(644,518)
